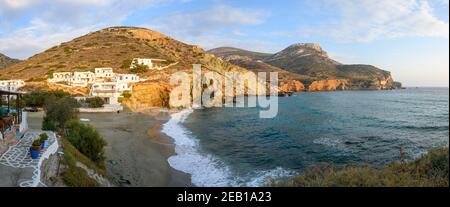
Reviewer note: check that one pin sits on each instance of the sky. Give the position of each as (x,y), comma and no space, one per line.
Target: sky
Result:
(410,38)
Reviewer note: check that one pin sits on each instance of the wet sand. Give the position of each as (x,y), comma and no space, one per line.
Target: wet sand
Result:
(137,151)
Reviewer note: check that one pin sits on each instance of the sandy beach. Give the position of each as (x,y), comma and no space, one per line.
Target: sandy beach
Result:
(137,151)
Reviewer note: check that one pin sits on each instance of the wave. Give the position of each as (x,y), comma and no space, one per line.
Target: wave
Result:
(206,170)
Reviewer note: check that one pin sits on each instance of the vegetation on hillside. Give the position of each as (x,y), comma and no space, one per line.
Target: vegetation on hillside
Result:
(94,102)
(58,111)
(81,142)
(38,98)
(75,176)
(6,61)
(429,171)
(86,139)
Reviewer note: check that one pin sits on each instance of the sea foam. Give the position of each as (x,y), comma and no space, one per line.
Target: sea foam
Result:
(204,169)
(207,170)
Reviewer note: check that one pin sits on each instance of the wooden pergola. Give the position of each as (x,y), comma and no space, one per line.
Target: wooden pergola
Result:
(9,96)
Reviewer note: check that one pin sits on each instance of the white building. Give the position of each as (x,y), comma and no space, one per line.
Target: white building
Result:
(153,64)
(82,79)
(11,85)
(109,92)
(104,73)
(126,78)
(122,86)
(61,77)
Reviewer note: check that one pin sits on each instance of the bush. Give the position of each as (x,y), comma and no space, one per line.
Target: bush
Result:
(126,64)
(95,102)
(43,137)
(77,177)
(38,98)
(139,68)
(48,125)
(86,139)
(431,170)
(58,111)
(126,94)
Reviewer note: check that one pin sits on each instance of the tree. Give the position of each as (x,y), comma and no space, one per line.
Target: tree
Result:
(86,139)
(38,98)
(58,111)
(95,102)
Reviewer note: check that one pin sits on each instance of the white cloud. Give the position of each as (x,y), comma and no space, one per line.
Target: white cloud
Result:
(29,27)
(215,26)
(209,20)
(368,20)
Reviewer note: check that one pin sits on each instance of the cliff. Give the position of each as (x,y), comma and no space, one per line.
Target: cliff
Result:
(311,65)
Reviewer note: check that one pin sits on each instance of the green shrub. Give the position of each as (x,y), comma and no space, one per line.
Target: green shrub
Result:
(58,111)
(77,177)
(86,139)
(431,170)
(38,98)
(139,68)
(43,137)
(126,94)
(94,102)
(126,64)
(48,125)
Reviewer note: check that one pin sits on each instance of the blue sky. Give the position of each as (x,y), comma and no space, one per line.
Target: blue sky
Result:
(408,37)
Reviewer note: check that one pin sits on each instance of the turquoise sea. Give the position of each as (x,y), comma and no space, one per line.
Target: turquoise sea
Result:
(234,147)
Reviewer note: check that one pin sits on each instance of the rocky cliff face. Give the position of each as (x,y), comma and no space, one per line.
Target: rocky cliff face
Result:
(149,95)
(328,85)
(291,86)
(309,64)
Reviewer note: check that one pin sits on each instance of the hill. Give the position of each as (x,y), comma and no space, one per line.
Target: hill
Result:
(115,47)
(6,61)
(315,66)
(230,51)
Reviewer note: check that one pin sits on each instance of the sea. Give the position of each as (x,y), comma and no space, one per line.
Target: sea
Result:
(234,147)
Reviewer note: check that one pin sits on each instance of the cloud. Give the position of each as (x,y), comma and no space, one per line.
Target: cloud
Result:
(365,21)
(214,26)
(211,19)
(30,26)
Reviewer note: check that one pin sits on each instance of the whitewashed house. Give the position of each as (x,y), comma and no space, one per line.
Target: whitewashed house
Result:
(82,79)
(126,78)
(61,77)
(101,73)
(152,64)
(109,92)
(11,85)
(122,86)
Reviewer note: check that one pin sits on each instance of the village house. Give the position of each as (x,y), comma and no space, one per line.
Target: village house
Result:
(11,85)
(152,64)
(104,73)
(82,79)
(104,84)
(126,78)
(109,92)
(61,77)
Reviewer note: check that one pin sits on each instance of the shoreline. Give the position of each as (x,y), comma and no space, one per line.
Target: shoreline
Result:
(137,152)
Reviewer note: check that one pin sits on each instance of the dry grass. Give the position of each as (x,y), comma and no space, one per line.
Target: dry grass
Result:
(429,171)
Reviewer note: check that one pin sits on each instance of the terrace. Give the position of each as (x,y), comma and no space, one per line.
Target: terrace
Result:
(11,115)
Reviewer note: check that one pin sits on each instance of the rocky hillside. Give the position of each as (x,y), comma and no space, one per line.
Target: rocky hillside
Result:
(230,51)
(253,61)
(115,47)
(6,61)
(315,68)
